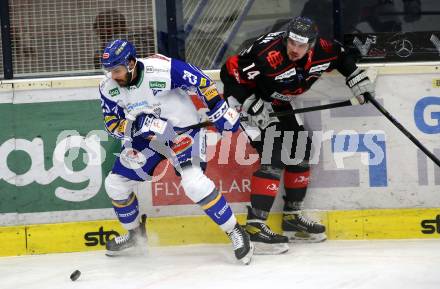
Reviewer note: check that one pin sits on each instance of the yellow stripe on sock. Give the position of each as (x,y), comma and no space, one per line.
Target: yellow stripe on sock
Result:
(124,205)
(213,202)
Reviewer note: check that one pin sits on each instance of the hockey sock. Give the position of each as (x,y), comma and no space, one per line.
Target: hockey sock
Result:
(296,180)
(216,207)
(264,188)
(127,212)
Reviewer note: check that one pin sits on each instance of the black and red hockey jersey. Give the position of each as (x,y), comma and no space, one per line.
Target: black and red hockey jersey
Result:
(265,69)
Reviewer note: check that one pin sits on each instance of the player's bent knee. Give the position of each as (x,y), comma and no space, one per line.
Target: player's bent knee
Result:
(196,184)
(118,187)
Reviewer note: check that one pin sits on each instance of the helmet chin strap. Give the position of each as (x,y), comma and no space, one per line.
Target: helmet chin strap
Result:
(130,72)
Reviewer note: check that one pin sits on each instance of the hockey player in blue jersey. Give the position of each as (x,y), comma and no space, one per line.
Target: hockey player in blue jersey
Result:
(145,103)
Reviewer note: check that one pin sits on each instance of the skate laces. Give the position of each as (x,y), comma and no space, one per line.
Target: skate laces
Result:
(122,239)
(265,228)
(237,238)
(306,221)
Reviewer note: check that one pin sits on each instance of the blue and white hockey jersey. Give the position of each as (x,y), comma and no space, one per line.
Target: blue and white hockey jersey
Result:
(162,87)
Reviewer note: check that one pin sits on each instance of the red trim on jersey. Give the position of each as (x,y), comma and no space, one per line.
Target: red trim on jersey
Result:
(281,103)
(309,59)
(267,48)
(326,45)
(264,186)
(159,56)
(232,64)
(233,70)
(324,60)
(313,76)
(296,180)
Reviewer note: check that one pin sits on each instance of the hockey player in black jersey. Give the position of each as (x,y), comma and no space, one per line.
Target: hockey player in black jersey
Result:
(265,77)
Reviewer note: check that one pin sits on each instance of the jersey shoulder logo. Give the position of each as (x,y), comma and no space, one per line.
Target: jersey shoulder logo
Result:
(114,91)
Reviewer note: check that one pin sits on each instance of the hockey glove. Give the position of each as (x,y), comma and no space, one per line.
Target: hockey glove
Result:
(148,126)
(359,83)
(258,115)
(224,117)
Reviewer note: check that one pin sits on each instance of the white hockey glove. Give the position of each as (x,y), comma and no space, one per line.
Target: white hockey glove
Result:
(258,115)
(224,117)
(359,83)
(147,126)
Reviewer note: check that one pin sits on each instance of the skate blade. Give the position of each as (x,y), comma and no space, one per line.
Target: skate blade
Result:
(301,237)
(246,260)
(132,251)
(270,249)
(109,253)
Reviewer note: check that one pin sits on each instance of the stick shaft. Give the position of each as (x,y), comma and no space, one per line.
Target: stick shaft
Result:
(280,114)
(402,128)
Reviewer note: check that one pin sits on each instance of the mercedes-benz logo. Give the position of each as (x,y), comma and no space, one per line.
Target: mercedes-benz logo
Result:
(403,48)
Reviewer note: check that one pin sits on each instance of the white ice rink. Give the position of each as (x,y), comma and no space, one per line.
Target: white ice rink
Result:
(333,264)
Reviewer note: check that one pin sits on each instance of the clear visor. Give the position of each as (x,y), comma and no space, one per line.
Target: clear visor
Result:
(118,69)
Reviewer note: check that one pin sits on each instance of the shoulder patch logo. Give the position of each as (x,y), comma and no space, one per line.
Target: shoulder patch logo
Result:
(114,91)
(203,82)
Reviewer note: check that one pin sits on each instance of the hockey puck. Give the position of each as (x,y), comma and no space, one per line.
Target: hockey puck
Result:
(75,275)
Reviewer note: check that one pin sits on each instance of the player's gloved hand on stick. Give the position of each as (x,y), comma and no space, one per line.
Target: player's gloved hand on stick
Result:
(258,115)
(359,83)
(224,117)
(148,126)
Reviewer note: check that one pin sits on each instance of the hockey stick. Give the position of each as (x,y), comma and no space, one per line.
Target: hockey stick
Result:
(276,114)
(306,109)
(401,128)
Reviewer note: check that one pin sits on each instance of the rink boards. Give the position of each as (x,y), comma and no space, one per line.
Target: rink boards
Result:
(165,231)
(369,182)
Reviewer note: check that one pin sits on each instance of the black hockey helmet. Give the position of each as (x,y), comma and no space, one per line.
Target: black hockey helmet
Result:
(302,29)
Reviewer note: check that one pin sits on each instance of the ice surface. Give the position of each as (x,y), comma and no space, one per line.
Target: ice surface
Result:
(334,264)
